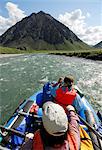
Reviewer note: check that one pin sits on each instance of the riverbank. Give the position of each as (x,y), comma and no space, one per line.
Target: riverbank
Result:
(86,55)
(94,55)
(9,55)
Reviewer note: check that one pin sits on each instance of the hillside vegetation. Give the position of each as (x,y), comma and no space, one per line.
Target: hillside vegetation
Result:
(7,50)
(95,54)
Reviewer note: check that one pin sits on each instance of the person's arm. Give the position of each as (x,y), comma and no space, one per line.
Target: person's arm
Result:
(78,104)
(73,127)
(28,144)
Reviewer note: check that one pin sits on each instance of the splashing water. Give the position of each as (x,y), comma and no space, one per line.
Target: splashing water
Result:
(19,78)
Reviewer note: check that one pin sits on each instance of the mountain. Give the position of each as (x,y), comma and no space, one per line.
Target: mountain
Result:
(41,31)
(99,45)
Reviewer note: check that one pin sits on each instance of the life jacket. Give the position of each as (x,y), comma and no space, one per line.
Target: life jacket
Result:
(66,97)
(38,143)
(85,144)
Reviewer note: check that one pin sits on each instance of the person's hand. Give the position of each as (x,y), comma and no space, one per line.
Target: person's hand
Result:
(70,108)
(29,136)
(34,109)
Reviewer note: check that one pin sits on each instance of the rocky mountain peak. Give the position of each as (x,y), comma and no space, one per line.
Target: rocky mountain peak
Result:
(39,31)
(98,45)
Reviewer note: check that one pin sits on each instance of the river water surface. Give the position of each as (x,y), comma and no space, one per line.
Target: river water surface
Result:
(19,78)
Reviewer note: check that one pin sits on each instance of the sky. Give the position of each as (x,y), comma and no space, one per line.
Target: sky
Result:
(83,17)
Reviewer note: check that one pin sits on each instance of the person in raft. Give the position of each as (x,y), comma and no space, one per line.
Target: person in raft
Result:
(58,83)
(66,95)
(58,131)
(55,85)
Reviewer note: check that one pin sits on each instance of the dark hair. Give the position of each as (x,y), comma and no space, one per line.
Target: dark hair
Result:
(60,79)
(50,140)
(68,81)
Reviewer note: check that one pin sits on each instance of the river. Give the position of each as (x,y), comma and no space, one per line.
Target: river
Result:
(19,76)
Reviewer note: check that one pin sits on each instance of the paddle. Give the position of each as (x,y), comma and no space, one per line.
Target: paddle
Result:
(28,114)
(88,125)
(31,115)
(12,131)
(15,132)
(91,128)
(20,134)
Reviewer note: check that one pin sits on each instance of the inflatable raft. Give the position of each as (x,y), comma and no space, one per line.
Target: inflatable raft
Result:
(12,133)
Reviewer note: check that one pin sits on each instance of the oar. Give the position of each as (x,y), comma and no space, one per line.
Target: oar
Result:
(28,114)
(12,131)
(91,128)
(31,115)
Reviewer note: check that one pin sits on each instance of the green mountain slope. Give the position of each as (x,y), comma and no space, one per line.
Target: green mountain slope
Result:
(41,32)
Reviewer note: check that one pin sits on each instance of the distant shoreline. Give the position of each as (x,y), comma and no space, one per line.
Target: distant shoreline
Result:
(92,53)
(87,55)
(9,55)
(95,55)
